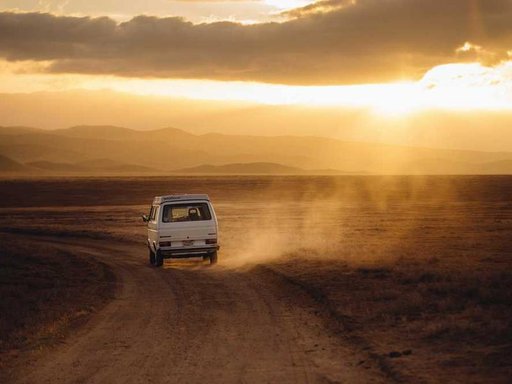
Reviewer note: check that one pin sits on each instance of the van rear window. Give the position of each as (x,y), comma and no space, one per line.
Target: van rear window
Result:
(174,213)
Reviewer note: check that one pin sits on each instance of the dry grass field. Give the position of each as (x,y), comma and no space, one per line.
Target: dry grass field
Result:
(412,272)
(45,292)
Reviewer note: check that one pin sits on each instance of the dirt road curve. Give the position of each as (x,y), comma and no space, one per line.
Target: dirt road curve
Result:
(191,323)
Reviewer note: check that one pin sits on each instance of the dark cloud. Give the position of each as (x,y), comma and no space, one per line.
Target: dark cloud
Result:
(362,41)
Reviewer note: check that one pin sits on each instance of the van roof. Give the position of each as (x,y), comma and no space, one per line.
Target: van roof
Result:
(181,197)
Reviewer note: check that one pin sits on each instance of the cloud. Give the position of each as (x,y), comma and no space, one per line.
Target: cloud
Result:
(360,41)
(476,53)
(322,6)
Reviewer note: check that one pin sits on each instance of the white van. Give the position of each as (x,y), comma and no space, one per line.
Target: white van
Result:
(182,226)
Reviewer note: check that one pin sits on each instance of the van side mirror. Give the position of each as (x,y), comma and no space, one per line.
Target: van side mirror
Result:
(145,218)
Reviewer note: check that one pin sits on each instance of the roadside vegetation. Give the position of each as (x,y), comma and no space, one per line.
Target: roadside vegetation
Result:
(421,321)
(45,292)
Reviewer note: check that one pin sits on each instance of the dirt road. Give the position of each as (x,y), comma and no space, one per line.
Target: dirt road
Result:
(191,323)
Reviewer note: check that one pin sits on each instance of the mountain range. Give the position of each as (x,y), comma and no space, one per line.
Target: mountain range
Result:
(115,150)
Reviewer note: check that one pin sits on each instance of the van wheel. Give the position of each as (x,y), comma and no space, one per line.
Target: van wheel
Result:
(213,258)
(151,257)
(159,259)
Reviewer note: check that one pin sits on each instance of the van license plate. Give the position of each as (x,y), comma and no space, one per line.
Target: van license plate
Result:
(188,242)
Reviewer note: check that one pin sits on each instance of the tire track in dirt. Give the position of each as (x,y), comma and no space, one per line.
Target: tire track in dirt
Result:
(191,323)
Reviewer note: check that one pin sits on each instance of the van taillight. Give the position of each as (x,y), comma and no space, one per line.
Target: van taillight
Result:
(211,241)
(165,243)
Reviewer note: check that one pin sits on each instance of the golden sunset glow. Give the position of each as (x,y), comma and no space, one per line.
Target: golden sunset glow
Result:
(255,191)
(457,86)
(462,87)
(343,57)
(288,4)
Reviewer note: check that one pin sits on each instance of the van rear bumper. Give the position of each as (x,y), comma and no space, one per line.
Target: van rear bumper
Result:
(188,252)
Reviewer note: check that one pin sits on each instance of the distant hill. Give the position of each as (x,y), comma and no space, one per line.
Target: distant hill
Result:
(257,169)
(101,149)
(9,165)
(97,132)
(243,168)
(16,130)
(496,167)
(109,132)
(111,165)
(55,167)
(91,167)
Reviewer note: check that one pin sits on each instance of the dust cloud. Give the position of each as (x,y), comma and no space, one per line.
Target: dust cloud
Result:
(353,219)
(349,218)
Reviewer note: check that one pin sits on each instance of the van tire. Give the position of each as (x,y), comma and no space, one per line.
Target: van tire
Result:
(152,259)
(213,258)
(159,259)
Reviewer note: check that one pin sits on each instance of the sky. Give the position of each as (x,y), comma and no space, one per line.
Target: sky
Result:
(389,59)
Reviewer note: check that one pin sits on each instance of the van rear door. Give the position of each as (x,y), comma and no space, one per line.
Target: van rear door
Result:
(187,224)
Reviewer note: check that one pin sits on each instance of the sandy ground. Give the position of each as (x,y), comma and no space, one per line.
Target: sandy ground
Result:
(350,279)
(192,323)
